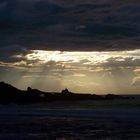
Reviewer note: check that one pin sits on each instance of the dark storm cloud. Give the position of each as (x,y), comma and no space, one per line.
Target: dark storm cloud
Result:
(70,25)
(7,53)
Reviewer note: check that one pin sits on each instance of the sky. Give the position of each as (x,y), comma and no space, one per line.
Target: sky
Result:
(90,46)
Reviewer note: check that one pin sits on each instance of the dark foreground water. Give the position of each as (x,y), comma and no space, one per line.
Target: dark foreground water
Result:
(37,123)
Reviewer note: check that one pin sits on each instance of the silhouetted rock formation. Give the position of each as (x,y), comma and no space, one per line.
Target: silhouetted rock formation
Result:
(66,92)
(10,94)
(29,89)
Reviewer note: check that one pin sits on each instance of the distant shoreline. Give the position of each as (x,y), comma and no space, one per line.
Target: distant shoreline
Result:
(10,94)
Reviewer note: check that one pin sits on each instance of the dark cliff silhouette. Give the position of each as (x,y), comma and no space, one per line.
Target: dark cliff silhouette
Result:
(10,94)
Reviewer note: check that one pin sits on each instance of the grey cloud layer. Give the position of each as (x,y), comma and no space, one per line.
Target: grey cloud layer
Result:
(70,25)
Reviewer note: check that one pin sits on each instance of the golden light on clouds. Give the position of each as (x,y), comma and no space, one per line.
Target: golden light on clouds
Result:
(46,56)
(88,57)
(94,72)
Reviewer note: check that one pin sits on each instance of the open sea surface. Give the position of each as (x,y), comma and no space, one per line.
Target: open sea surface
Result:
(69,121)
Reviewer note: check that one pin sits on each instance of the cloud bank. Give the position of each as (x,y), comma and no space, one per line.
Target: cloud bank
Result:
(91,25)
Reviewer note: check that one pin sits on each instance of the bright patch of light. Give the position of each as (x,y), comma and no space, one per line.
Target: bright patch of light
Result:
(87,57)
(58,56)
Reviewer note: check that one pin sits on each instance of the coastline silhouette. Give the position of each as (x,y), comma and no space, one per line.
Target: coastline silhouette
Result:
(10,94)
